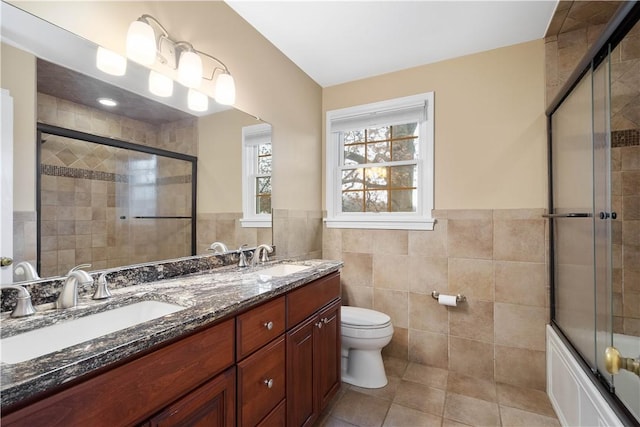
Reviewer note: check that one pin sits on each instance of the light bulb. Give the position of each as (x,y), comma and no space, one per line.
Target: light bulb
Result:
(225,89)
(190,69)
(110,62)
(159,84)
(197,101)
(141,43)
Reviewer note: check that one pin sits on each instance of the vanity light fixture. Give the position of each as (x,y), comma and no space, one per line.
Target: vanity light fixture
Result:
(107,102)
(110,62)
(148,43)
(160,85)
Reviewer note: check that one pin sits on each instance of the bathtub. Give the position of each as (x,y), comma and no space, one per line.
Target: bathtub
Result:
(576,396)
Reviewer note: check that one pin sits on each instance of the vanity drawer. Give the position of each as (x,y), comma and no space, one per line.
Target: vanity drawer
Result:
(258,326)
(308,299)
(261,383)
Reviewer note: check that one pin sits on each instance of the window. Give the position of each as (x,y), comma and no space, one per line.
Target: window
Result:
(380,165)
(256,175)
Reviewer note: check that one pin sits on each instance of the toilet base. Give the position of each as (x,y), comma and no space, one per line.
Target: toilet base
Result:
(364,368)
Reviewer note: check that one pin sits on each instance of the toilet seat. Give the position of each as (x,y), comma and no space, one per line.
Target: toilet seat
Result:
(363,318)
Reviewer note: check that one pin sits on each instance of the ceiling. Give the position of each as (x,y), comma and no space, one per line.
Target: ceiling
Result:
(339,41)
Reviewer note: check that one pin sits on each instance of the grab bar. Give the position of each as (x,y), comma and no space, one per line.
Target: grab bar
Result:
(569,215)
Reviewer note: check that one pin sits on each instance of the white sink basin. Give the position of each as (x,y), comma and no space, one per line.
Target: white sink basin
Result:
(282,270)
(38,342)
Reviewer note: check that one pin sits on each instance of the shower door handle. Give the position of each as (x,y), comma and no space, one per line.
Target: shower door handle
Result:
(614,361)
(569,215)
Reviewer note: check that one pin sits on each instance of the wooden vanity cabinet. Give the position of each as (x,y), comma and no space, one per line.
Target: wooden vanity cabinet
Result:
(133,391)
(313,350)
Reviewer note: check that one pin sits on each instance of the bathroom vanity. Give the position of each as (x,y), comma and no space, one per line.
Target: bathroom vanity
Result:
(248,349)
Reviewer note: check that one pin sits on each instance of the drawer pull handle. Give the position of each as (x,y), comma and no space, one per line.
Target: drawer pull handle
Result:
(268,325)
(269,383)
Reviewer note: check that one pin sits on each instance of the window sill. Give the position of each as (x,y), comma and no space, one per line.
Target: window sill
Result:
(383,224)
(256,223)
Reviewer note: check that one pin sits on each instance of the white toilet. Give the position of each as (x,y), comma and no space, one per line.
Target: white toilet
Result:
(364,333)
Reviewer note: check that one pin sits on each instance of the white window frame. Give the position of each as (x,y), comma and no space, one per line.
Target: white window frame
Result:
(252,136)
(375,114)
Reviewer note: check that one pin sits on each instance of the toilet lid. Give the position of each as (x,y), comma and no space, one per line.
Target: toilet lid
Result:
(363,317)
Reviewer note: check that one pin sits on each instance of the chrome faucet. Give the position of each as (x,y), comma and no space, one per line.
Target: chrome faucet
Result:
(265,250)
(23,303)
(242,262)
(69,295)
(25,269)
(218,248)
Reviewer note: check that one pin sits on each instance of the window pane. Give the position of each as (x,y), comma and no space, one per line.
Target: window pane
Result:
(376,201)
(263,185)
(376,177)
(403,176)
(379,133)
(354,154)
(352,201)
(263,204)
(404,200)
(405,149)
(352,179)
(354,136)
(264,165)
(264,149)
(402,131)
(378,152)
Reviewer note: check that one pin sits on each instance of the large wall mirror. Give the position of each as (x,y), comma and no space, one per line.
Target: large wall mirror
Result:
(115,205)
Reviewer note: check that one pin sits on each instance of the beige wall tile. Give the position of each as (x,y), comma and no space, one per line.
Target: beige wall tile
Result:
(357,240)
(399,345)
(520,367)
(521,283)
(428,348)
(520,326)
(472,319)
(393,303)
(358,269)
(464,353)
(426,315)
(470,238)
(473,278)
(428,274)
(390,242)
(519,240)
(357,296)
(391,271)
(429,243)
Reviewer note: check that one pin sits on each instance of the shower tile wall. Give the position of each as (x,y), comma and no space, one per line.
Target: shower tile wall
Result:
(226,228)
(496,258)
(88,188)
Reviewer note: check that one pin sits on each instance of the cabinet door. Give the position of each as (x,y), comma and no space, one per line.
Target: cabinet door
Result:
(328,354)
(212,405)
(302,404)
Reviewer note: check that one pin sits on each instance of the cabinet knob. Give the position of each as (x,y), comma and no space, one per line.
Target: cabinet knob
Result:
(319,325)
(325,320)
(269,382)
(269,325)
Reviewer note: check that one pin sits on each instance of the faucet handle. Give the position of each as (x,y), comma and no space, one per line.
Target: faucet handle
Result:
(23,307)
(265,253)
(102,289)
(78,267)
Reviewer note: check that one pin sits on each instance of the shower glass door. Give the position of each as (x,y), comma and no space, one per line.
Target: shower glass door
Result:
(572,216)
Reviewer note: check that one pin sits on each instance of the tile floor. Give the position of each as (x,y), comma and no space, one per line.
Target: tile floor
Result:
(419,395)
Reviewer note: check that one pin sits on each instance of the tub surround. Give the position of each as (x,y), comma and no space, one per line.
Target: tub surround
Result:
(207,297)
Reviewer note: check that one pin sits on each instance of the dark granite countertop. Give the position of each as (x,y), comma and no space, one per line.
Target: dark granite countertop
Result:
(207,297)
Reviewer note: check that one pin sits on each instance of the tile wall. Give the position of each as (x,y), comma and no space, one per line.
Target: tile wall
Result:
(226,228)
(298,233)
(496,258)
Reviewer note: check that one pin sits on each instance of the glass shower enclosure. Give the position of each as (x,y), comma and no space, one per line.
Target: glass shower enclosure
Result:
(110,203)
(594,171)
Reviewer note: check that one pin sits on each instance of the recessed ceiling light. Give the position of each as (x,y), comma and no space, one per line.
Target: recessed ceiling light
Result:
(108,102)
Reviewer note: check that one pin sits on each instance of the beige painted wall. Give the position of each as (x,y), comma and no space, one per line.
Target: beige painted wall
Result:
(18,75)
(268,84)
(490,142)
(221,173)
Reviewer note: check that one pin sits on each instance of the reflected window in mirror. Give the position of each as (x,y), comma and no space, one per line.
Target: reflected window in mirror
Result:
(256,175)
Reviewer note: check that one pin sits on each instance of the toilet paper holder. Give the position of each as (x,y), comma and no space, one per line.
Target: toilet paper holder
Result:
(459,297)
